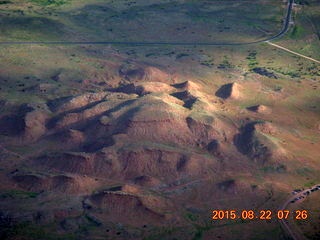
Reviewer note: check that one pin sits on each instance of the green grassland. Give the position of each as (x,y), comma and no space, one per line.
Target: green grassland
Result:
(305,35)
(146,21)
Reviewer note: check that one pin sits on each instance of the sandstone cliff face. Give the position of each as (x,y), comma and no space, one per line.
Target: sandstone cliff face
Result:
(35,124)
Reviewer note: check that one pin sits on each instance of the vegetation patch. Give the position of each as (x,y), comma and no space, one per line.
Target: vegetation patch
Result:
(226,64)
(264,72)
(192,217)
(49,2)
(297,32)
(17,194)
(274,169)
(5,2)
(30,231)
(252,59)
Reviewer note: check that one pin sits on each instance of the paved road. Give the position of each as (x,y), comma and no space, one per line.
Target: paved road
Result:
(286,23)
(294,235)
(285,27)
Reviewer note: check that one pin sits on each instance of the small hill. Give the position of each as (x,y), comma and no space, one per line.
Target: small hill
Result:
(230,90)
(70,137)
(127,208)
(57,183)
(255,141)
(187,85)
(260,109)
(29,122)
(77,102)
(35,124)
(155,87)
(133,72)
(147,181)
(78,163)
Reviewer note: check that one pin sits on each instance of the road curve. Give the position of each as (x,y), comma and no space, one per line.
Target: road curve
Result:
(286,23)
(284,223)
(285,28)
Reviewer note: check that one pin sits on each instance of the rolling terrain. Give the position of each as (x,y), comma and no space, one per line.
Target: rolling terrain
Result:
(141,21)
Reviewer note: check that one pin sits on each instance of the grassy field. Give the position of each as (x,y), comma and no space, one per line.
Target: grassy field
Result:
(147,21)
(304,36)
